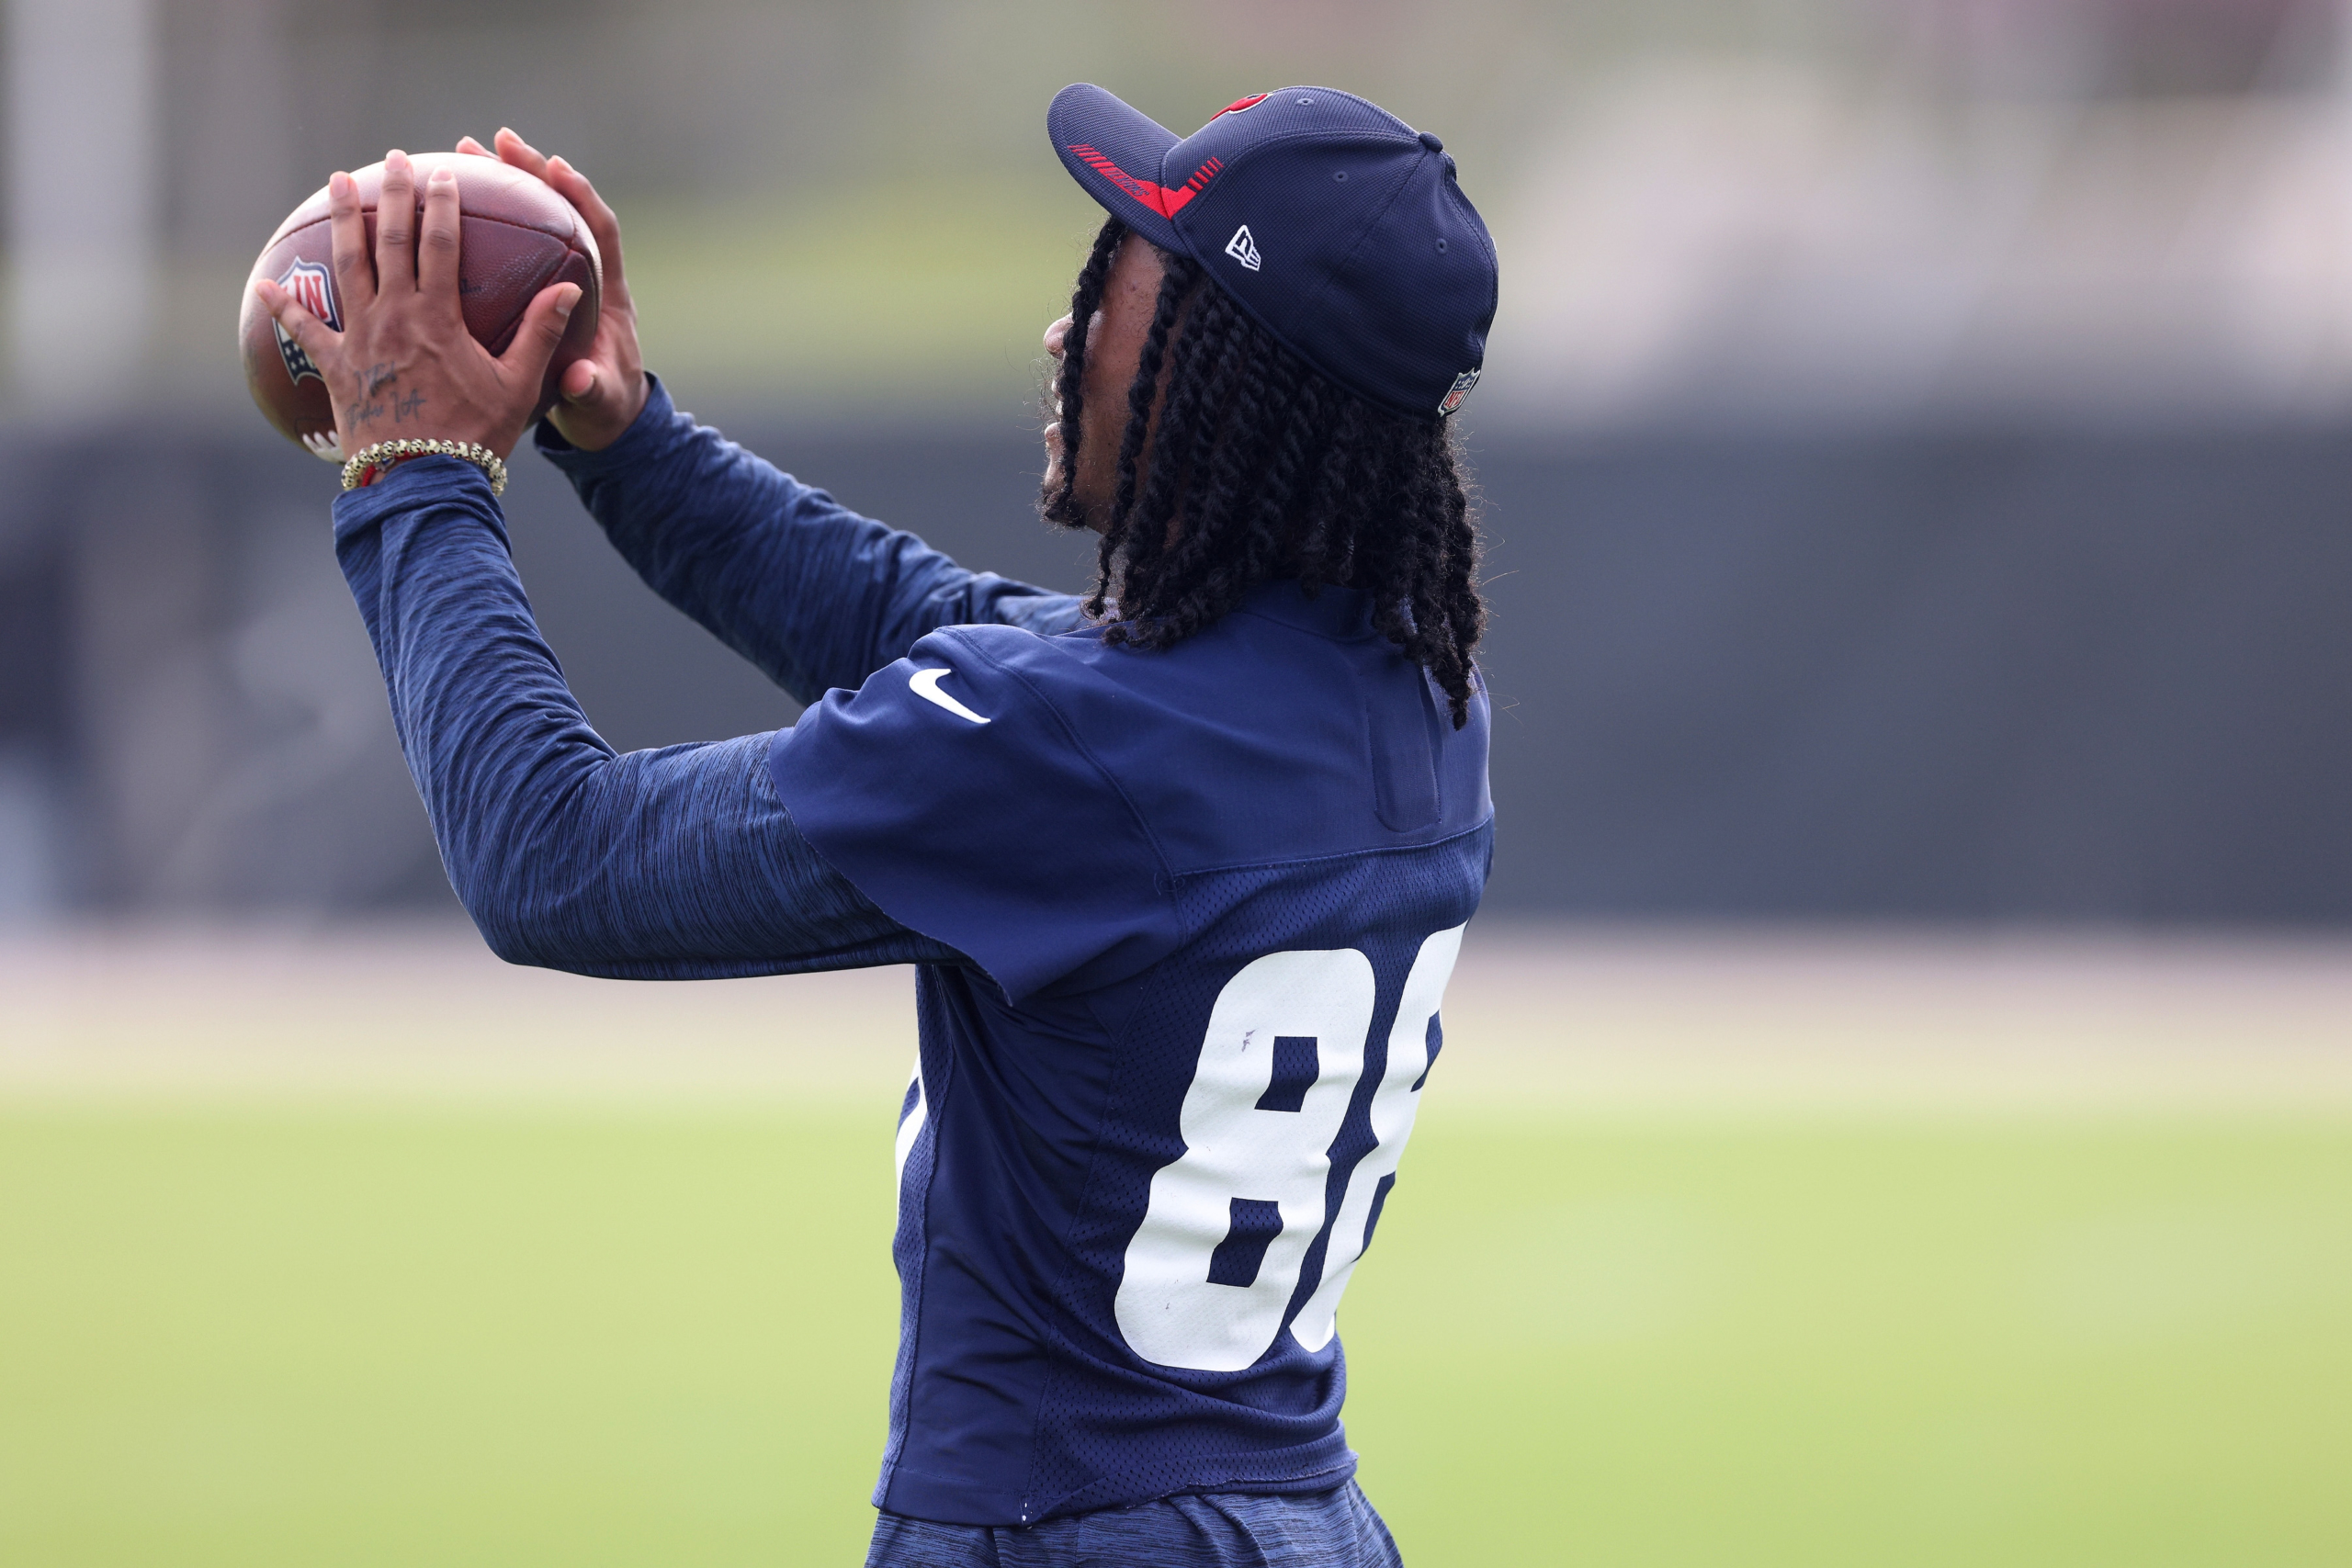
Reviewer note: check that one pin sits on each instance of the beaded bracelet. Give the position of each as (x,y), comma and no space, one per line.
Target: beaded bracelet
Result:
(371,463)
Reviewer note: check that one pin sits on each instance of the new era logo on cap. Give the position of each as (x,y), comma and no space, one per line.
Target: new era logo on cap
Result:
(1384,277)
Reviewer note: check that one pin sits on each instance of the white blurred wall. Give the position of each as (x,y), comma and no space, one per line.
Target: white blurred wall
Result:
(82,208)
(2006,229)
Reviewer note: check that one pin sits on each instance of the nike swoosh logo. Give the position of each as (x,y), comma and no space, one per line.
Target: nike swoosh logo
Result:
(925,684)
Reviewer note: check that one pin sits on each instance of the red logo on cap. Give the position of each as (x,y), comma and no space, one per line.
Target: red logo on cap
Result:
(1238,105)
(1160,198)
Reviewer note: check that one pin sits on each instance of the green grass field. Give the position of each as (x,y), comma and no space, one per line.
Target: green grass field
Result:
(364,1334)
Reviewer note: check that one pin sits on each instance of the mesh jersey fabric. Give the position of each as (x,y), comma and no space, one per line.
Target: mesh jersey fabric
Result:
(1209,894)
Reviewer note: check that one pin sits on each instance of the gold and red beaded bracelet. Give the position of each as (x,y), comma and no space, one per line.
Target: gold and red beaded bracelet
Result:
(372,463)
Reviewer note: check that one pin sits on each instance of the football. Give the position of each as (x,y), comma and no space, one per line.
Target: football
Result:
(515,237)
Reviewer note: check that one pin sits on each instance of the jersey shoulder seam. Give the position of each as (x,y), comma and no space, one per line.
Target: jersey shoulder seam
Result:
(1478,827)
(1135,814)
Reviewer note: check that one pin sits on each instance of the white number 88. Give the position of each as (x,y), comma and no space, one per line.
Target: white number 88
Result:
(1278,1067)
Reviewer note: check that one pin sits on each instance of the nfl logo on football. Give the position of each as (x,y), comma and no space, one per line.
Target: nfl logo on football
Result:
(312,287)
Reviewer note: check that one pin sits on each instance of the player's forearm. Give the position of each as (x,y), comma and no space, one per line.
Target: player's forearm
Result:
(672,864)
(677,864)
(812,593)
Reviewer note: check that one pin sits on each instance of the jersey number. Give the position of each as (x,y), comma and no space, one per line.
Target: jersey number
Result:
(1212,1268)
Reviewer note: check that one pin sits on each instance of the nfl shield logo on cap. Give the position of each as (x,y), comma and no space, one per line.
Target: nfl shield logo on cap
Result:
(1462,385)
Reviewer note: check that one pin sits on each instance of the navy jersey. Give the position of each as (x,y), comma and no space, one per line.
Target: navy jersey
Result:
(1182,919)
(1210,897)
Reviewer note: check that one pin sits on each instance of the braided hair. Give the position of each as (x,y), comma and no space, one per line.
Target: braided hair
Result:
(1259,467)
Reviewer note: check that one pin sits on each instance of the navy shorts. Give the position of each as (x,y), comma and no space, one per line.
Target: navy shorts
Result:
(1223,1530)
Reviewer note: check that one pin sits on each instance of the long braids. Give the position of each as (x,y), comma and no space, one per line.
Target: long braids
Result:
(1069,395)
(1256,466)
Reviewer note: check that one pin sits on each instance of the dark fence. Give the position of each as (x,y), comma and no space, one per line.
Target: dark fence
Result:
(1927,675)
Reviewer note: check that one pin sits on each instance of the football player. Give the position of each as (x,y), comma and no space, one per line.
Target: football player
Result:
(1182,865)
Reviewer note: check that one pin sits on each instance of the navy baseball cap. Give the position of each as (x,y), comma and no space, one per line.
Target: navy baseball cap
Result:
(1334,224)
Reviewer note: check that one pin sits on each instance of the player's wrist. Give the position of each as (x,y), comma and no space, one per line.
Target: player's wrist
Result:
(369,464)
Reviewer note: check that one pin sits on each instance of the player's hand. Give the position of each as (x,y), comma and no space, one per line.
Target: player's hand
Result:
(404,364)
(604,393)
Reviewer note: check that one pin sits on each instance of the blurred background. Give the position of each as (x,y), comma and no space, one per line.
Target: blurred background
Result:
(1913,450)
(1904,1094)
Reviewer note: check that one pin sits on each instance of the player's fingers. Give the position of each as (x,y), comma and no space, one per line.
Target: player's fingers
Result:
(436,254)
(580,385)
(354,270)
(396,227)
(311,335)
(473,149)
(512,149)
(543,326)
(602,223)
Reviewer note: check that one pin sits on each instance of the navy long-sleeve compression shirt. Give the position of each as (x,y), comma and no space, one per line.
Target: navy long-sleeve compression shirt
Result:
(678,863)
(812,593)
